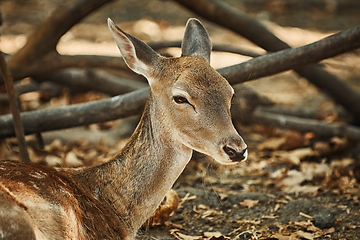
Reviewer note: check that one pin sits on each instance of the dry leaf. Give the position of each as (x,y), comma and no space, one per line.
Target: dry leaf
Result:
(308,225)
(212,234)
(279,236)
(293,140)
(52,160)
(54,147)
(306,235)
(302,189)
(277,206)
(220,238)
(165,210)
(249,203)
(335,145)
(293,178)
(311,170)
(71,160)
(272,144)
(176,233)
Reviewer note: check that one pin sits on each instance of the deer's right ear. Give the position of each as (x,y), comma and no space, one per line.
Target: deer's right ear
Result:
(137,55)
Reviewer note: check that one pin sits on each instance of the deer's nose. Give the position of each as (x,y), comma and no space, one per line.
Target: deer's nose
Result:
(234,155)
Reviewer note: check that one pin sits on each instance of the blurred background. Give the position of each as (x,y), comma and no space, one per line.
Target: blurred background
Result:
(283,165)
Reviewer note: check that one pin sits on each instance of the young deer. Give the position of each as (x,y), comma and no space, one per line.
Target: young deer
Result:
(188,109)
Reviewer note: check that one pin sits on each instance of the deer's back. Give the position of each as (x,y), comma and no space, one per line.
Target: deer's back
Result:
(37,202)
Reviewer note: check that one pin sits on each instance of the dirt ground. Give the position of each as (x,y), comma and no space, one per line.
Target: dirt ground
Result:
(293,186)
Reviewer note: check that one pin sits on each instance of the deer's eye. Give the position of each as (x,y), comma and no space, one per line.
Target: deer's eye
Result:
(180,100)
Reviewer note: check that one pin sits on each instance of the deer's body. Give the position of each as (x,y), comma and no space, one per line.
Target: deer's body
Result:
(188,109)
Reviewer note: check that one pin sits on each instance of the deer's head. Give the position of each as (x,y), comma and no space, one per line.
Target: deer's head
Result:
(191,98)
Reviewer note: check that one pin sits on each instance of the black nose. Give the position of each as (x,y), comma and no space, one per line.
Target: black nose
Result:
(234,155)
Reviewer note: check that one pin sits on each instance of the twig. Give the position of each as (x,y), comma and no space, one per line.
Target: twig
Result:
(17,125)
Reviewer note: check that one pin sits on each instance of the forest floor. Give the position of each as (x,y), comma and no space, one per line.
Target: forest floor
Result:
(293,185)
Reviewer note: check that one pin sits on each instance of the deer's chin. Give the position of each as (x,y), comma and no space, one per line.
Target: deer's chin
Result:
(223,159)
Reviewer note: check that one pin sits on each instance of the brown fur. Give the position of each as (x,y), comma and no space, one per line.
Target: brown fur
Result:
(37,183)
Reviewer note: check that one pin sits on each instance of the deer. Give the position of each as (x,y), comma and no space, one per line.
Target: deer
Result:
(188,109)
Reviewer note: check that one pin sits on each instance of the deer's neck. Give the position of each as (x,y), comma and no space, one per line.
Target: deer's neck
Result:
(135,182)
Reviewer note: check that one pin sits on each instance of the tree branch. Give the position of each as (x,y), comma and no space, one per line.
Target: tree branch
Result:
(54,62)
(238,73)
(94,79)
(291,58)
(302,125)
(44,39)
(78,114)
(229,17)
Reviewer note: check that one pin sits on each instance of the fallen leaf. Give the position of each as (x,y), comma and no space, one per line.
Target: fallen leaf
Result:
(212,234)
(306,235)
(293,178)
(295,156)
(277,206)
(308,225)
(249,203)
(52,160)
(181,236)
(220,238)
(71,160)
(279,236)
(293,140)
(272,144)
(166,209)
(301,189)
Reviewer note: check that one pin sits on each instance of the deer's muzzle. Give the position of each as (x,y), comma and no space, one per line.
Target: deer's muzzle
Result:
(236,155)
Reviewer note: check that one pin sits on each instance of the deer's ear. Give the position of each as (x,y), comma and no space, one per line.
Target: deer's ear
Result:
(196,40)
(139,56)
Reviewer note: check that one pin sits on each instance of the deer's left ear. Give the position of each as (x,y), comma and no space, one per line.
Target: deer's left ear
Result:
(196,41)
(139,56)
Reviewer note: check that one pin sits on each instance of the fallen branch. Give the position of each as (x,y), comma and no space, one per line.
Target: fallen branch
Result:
(92,79)
(302,125)
(78,114)
(239,22)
